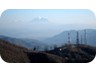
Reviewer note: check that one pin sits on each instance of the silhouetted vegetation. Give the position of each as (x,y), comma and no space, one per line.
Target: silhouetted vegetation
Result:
(42,57)
(75,53)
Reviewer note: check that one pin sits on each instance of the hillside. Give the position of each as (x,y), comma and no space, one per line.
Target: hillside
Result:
(16,54)
(64,54)
(28,43)
(75,53)
(12,53)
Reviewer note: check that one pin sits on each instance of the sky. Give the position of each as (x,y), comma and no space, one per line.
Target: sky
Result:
(54,15)
(22,23)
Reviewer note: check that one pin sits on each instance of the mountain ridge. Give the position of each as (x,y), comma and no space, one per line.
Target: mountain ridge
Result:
(58,40)
(28,43)
(62,38)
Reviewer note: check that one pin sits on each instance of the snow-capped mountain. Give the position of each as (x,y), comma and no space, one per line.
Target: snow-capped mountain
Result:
(39,20)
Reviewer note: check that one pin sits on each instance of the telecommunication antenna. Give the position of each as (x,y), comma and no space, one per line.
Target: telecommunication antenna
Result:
(69,39)
(81,40)
(77,41)
(85,37)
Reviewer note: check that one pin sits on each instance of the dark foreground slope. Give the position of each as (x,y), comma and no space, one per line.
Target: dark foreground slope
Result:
(74,53)
(42,57)
(16,54)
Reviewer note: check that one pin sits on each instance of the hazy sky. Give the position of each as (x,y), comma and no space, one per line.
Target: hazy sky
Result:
(20,23)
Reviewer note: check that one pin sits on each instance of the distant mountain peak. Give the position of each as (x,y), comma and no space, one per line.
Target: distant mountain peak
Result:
(40,20)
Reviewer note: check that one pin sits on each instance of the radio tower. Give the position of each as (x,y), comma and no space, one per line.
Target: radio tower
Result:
(69,39)
(77,41)
(81,40)
(85,39)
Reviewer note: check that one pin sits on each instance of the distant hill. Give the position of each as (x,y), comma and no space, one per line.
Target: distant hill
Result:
(62,38)
(57,40)
(28,43)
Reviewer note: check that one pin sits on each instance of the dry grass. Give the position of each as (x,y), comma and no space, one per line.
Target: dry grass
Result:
(12,53)
(16,54)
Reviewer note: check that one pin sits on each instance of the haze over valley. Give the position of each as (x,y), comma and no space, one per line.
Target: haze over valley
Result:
(42,24)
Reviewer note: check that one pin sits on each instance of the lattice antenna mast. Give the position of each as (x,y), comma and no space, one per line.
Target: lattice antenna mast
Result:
(77,41)
(85,37)
(81,40)
(69,38)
